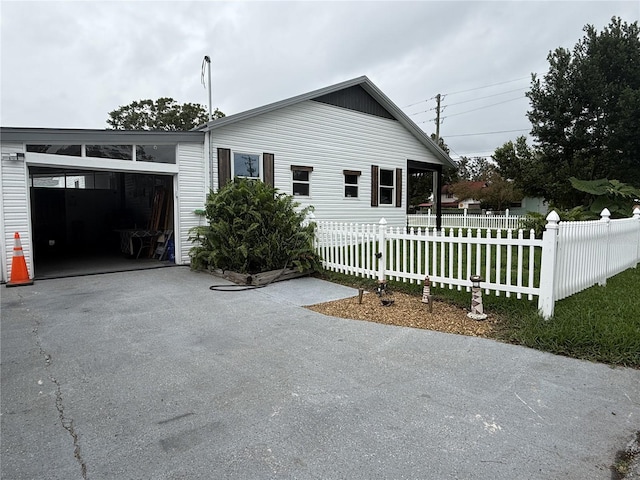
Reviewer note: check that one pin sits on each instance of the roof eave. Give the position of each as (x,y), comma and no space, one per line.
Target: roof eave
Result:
(363,81)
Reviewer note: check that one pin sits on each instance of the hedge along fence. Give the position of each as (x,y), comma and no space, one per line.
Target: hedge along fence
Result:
(570,257)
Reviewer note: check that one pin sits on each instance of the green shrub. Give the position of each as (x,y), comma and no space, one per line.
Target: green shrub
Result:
(538,221)
(252,229)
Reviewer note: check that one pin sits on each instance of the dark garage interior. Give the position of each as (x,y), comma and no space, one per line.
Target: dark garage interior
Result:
(87,222)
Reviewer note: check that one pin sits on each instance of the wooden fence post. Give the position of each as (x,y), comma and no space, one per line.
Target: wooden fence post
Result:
(546,299)
(382,249)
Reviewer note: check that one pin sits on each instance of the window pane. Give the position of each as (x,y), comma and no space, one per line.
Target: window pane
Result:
(48,181)
(386,178)
(246,165)
(118,152)
(350,191)
(80,180)
(351,179)
(71,150)
(386,196)
(301,175)
(301,189)
(156,153)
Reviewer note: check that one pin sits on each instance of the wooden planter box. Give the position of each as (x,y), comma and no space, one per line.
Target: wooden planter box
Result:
(260,279)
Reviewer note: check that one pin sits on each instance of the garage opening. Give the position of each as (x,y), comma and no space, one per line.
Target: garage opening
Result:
(87,222)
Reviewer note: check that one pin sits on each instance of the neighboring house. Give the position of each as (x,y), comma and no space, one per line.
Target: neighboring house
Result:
(448,200)
(346,150)
(530,204)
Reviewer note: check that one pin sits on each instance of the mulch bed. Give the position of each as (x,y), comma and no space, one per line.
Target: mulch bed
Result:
(408,311)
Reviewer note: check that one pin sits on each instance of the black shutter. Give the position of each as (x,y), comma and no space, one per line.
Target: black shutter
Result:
(268,164)
(224,167)
(398,187)
(374,185)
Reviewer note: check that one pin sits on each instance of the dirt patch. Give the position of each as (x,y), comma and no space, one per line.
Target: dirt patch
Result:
(408,311)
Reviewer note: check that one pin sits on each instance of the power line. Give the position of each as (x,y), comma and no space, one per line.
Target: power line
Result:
(488,96)
(488,133)
(482,108)
(412,104)
(486,86)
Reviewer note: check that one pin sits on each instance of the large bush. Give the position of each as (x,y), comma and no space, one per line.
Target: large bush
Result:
(252,228)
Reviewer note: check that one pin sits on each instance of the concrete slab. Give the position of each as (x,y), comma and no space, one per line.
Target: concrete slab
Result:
(152,375)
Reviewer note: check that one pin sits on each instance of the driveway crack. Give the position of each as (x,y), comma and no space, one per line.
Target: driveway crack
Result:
(67,423)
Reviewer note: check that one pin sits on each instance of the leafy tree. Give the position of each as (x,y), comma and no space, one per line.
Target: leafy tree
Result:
(253,229)
(473,169)
(585,114)
(495,193)
(163,114)
(420,186)
(519,162)
(440,142)
(500,193)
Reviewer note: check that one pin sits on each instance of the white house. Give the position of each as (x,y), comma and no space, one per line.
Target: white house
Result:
(345,149)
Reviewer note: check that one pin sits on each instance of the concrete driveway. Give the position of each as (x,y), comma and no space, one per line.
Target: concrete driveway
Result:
(150,375)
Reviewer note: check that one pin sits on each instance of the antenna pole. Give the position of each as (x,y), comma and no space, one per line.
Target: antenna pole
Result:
(208,60)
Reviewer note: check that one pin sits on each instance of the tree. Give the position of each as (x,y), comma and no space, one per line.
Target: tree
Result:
(520,163)
(474,169)
(162,114)
(494,192)
(500,193)
(585,114)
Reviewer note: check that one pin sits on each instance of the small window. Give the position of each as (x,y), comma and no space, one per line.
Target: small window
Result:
(156,153)
(116,152)
(351,183)
(246,165)
(386,187)
(70,150)
(301,180)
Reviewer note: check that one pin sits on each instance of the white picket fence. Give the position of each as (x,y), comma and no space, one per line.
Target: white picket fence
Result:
(570,257)
(465,220)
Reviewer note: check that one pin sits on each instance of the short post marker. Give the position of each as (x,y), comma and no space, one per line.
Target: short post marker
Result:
(477,312)
(426,294)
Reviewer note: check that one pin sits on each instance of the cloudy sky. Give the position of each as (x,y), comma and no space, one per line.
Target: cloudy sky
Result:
(67,64)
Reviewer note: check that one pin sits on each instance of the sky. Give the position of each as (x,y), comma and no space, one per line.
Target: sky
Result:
(67,64)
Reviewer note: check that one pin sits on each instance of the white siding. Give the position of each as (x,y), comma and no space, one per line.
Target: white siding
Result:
(190,196)
(330,139)
(14,207)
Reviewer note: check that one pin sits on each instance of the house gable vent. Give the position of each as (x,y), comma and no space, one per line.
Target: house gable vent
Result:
(355,98)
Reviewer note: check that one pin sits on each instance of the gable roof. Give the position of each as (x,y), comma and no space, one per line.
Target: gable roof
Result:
(391,108)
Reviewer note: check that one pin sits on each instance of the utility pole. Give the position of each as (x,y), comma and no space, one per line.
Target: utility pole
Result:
(438,119)
(437,175)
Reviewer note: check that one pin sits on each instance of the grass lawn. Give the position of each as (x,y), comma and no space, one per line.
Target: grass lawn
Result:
(600,324)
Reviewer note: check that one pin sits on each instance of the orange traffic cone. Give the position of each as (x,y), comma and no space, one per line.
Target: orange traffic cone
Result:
(19,272)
